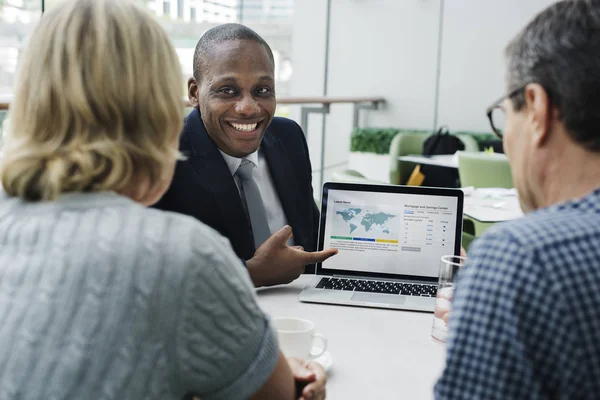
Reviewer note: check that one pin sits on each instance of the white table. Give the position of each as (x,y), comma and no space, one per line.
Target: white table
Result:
(492,205)
(377,354)
(441,160)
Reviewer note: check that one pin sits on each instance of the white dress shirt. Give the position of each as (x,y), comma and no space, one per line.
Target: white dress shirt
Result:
(275,216)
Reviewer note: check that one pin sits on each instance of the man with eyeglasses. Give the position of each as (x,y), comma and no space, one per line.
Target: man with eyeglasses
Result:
(525,321)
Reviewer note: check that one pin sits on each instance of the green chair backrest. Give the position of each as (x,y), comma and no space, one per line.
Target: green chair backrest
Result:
(404,144)
(471,144)
(483,170)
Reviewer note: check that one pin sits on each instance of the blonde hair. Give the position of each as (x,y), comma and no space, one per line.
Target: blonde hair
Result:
(97,105)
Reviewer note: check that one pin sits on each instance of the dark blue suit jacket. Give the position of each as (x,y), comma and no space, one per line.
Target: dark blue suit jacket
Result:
(204,188)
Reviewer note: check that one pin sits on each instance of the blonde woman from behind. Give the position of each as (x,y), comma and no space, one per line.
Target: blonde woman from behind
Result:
(99,295)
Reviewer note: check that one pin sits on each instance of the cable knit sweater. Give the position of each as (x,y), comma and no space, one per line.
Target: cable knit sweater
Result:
(103,298)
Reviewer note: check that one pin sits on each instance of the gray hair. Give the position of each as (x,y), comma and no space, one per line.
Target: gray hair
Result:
(220,34)
(560,50)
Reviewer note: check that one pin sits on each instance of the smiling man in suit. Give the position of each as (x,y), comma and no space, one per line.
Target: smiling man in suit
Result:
(247,173)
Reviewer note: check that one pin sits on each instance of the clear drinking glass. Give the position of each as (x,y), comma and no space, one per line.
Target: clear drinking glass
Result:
(449,266)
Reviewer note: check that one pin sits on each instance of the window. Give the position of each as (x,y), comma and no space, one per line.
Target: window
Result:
(180,9)
(184,20)
(17,19)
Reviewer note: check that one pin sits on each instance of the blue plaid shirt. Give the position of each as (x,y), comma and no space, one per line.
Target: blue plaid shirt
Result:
(525,322)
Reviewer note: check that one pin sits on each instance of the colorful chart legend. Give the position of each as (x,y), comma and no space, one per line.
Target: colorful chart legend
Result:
(360,239)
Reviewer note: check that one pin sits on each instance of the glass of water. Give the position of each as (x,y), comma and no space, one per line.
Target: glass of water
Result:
(449,266)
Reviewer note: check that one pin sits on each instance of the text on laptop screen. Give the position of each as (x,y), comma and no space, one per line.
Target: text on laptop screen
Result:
(391,233)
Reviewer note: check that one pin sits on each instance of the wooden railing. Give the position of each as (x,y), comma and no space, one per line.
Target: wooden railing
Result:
(308,107)
(320,100)
(360,103)
(375,101)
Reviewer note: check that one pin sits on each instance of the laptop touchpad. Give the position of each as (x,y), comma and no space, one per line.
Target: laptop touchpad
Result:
(379,298)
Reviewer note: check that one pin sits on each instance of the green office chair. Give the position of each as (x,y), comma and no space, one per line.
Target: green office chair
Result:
(469,141)
(484,170)
(404,144)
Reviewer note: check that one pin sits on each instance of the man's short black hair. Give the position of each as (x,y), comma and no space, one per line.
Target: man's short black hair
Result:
(560,50)
(220,34)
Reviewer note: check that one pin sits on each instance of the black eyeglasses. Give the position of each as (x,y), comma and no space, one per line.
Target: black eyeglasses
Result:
(495,112)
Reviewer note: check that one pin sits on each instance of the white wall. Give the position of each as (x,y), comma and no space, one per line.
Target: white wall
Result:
(308,58)
(472,73)
(389,48)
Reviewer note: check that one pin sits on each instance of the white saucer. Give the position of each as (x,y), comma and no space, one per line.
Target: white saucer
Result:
(325,359)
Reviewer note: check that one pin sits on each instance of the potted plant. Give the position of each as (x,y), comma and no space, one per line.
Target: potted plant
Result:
(369,152)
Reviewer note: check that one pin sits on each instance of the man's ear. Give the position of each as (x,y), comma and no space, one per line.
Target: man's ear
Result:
(193,92)
(541,112)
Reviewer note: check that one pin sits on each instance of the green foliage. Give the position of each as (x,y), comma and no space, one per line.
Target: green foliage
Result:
(378,140)
(375,140)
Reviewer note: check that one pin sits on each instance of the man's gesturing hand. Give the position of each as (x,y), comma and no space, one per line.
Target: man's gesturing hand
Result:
(275,262)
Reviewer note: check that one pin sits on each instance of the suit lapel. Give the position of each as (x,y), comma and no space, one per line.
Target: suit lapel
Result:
(285,184)
(208,162)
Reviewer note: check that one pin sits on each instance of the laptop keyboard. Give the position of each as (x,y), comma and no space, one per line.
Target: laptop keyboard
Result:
(360,285)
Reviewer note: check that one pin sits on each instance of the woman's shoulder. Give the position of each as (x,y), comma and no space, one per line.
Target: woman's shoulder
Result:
(179,228)
(189,243)
(126,224)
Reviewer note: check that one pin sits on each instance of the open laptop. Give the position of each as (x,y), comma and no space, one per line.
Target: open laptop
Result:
(390,240)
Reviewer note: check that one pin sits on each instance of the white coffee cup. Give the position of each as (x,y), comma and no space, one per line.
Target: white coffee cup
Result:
(297,338)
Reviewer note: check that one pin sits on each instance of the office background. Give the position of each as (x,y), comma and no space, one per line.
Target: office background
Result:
(435,62)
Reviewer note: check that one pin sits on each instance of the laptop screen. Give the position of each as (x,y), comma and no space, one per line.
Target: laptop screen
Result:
(389,230)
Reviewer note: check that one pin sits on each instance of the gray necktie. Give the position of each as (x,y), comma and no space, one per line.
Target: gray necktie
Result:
(255,206)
